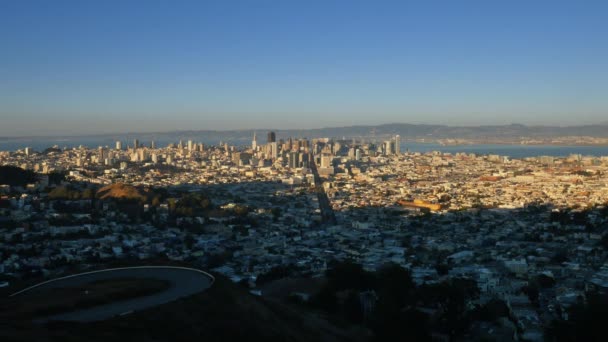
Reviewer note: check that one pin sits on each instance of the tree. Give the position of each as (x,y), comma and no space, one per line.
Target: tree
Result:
(88,193)
(452,297)
(189,241)
(16,176)
(241,210)
(586,322)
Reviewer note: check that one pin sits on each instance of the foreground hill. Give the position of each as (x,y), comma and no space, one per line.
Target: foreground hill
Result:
(225,312)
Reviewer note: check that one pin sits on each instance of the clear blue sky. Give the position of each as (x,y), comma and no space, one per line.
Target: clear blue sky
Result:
(72,67)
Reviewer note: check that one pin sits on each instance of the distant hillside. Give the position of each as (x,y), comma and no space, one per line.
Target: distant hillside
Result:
(407,131)
(121,191)
(462,132)
(16,176)
(226,312)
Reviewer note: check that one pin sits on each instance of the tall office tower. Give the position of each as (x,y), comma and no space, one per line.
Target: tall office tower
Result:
(289,144)
(101,154)
(254,142)
(180,145)
(305,159)
(143,155)
(397,144)
(326,159)
(272,137)
(351,153)
(274,150)
(28,151)
(388,147)
(358,154)
(190,145)
(294,160)
(135,143)
(336,148)
(153,145)
(154,158)
(119,145)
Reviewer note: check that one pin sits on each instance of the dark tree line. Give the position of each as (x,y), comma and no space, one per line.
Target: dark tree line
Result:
(16,176)
(396,313)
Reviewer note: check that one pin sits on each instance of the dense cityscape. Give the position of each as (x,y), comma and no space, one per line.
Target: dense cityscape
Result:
(303,171)
(529,233)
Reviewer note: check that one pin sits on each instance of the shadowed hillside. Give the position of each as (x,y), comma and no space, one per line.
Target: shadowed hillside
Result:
(226,312)
(16,176)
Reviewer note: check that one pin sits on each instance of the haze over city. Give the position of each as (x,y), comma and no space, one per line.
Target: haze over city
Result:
(125,66)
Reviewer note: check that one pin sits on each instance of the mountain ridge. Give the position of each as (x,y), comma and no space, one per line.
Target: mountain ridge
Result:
(406,130)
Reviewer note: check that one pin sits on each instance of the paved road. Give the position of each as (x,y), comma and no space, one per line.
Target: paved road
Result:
(327,212)
(184,282)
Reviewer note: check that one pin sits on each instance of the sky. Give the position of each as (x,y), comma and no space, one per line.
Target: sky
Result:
(83,67)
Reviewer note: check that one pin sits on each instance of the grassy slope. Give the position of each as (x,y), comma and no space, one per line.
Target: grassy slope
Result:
(225,312)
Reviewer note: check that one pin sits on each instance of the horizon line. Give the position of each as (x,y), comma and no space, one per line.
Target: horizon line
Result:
(290,129)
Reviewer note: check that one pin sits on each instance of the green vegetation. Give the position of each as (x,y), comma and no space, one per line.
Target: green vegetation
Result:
(16,176)
(586,321)
(190,205)
(395,314)
(71,193)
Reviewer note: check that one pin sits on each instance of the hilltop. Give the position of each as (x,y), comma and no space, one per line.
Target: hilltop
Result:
(121,191)
(225,312)
(16,176)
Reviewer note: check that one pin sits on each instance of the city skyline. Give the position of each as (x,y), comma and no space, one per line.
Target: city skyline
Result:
(323,170)
(72,68)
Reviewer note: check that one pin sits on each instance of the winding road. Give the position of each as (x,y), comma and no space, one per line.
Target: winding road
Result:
(183,282)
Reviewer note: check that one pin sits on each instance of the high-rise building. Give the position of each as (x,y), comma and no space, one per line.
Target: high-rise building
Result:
(135,143)
(28,151)
(119,145)
(289,144)
(387,147)
(326,160)
(351,153)
(254,142)
(397,144)
(153,145)
(101,155)
(274,150)
(294,160)
(190,145)
(272,137)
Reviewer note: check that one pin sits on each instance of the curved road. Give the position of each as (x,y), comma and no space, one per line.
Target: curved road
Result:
(183,282)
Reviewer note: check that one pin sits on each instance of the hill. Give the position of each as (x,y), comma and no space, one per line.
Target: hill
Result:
(407,131)
(16,176)
(121,191)
(225,312)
